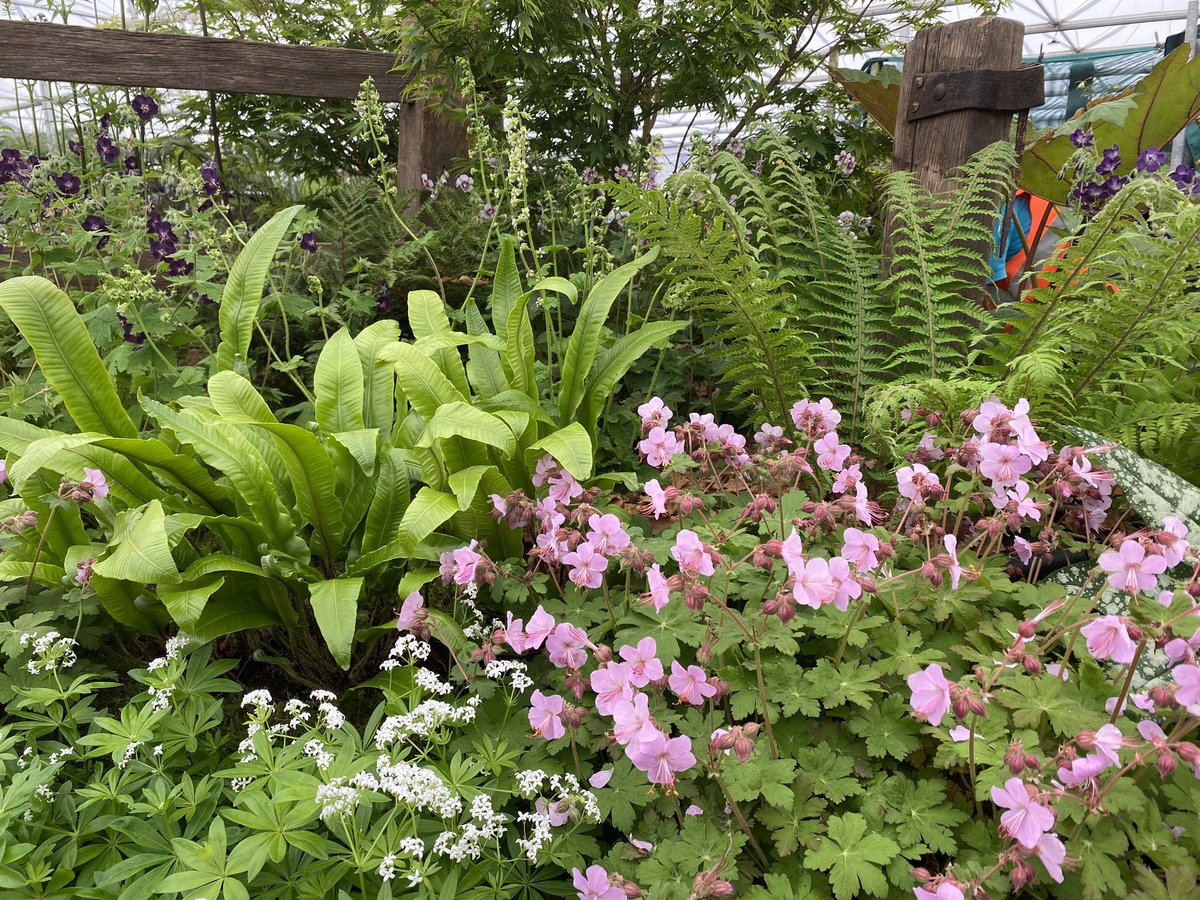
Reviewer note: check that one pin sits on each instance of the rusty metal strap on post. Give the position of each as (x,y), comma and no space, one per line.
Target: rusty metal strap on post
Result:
(1002,90)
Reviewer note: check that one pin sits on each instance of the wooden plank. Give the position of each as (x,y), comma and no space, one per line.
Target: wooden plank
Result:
(42,51)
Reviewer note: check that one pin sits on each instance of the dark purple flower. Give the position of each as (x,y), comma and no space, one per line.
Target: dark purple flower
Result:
(95,223)
(308,241)
(204,299)
(9,155)
(1081,138)
(107,150)
(131,336)
(164,249)
(1111,159)
(132,163)
(1183,176)
(68,184)
(488,212)
(205,206)
(145,107)
(1151,160)
(75,147)
(1115,183)
(383,301)
(163,229)
(208,174)
(179,268)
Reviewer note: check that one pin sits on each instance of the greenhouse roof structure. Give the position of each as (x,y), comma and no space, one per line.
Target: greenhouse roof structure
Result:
(1112,41)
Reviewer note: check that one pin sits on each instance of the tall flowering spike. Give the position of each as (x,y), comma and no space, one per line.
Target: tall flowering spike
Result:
(930,694)
(1131,569)
(1026,820)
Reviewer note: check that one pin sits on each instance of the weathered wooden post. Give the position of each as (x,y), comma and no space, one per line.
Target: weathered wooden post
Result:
(962,83)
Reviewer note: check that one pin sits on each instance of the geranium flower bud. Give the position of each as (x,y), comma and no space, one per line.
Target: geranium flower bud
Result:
(976,706)
(1188,752)
(575,684)
(1032,666)
(980,894)
(1022,874)
(704,653)
(1014,758)
(1027,629)
(1134,631)
(961,707)
(721,741)
(695,596)
(886,550)
(689,503)
(1165,763)
(867,584)
(1032,762)
(743,744)
(572,715)
(602,654)
(1162,696)
(921,875)
(722,688)
(1193,589)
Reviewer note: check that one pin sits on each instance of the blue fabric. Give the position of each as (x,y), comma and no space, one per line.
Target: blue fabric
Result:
(1011,245)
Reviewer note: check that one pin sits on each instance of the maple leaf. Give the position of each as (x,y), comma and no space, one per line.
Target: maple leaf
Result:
(829,772)
(760,776)
(1097,849)
(795,826)
(922,813)
(853,858)
(851,682)
(887,728)
(1030,698)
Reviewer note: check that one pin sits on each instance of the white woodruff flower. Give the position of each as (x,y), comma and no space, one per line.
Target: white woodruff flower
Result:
(260,699)
(429,680)
(336,798)
(315,750)
(423,721)
(50,653)
(530,781)
(387,867)
(412,846)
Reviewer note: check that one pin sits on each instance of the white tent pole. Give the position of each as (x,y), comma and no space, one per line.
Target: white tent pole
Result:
(1190,38)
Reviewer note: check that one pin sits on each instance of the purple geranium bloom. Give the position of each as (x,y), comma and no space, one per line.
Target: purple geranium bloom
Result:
(95,224)
(130,335)
(1081,138)
(179,268)
(488,212)
(132,163)
(1151,160)
(1183,176)
(308,241)
(68,184)
(383,299)
(145,107)
(1110,160)
(163,249)
(106,149)
(76,148)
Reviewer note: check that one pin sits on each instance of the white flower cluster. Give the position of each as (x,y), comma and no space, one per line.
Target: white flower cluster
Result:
(514,668)
(336,798)
(540,835)
(424,720)
(131,750)
(316,751)
(51,652)
(411,785)
(429,680)
(412,846)
(58,755)
(331,717)
(261,700)
(408,647)
(160,697)
(174,646)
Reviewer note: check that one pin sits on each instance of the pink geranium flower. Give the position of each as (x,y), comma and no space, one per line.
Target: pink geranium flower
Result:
(1081,771)
(659,447)
(1052,853)
(690,684)
(1026,820)
(947,890)
(1188,693)
(1130,569)
(1108,740)
(564,488)
(662,758)
(660,592)
(915,481)
(956,570)
(612,684)
(587,565)
(654,413)
(601,779)
(1172,540)
(407,620)
(93,481)
(632,724)
(567,646)
(594,885)
(689,551)
(644,665)
(606,534)
(860,547)
(466,560)
(1003,464)
(541,623)
(545,716)
(1023,549)
(814,585)
(558,813)
(1108,638)
(791,551)
(930,694)
(846,587)
(657,497)
(832,456)
(815,417)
